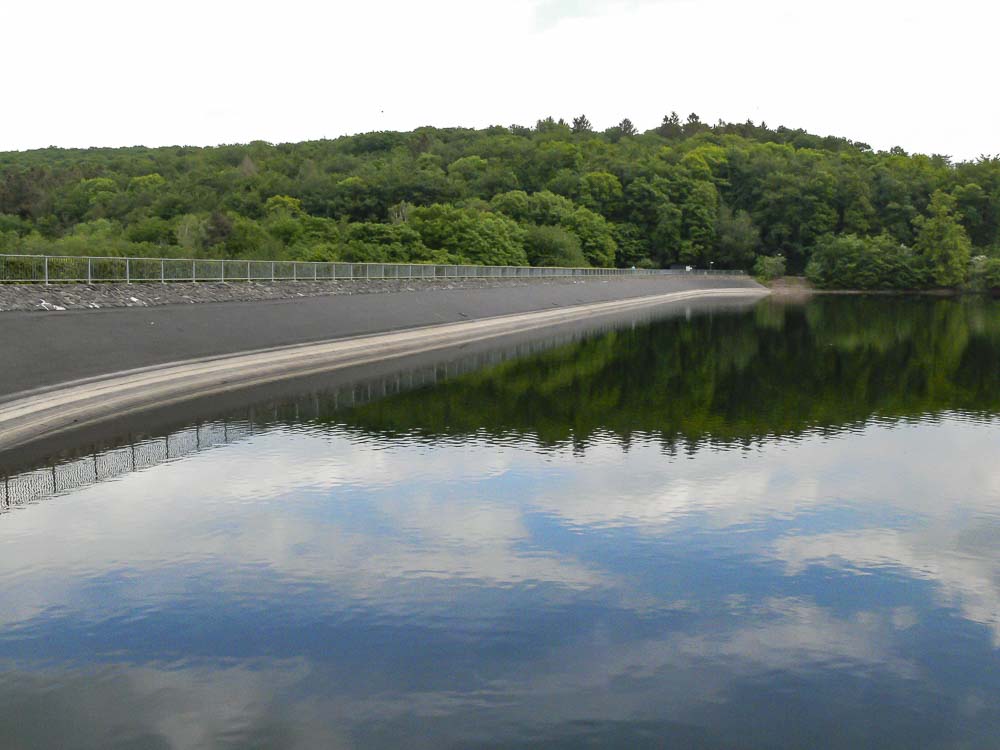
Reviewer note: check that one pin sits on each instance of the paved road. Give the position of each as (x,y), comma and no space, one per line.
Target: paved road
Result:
(43,349)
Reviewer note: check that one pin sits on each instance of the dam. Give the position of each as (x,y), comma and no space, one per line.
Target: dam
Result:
(69,368)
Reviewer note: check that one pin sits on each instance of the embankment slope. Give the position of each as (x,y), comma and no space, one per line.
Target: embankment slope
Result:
(147,377)
(41,349)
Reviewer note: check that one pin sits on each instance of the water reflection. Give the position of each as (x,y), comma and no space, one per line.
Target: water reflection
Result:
(815,572)
(93,464)
(780,371)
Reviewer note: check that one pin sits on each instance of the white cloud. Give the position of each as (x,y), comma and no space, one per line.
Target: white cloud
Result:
(399,527)
(592,674)
(180,706)
(966,575)
(460,511)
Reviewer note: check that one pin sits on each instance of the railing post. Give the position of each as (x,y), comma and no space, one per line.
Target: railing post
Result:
(272,270)
(222,272)
(46,270)
(315,266)
(90,275)
(295,270)
(194,273)
(163,274)
(248,270)
(128,272)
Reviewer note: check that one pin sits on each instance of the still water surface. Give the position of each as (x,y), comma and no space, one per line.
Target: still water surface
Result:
(765,529)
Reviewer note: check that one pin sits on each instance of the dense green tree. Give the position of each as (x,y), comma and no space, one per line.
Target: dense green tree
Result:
(546,207)
(942,242)
(699,216)
(218,228)
(471,236)
(388,243)
(984,273)
(796,209)
(514,204)
(768,268)
(736,238)
(693,125)
(595,235)
(977,213)
(683,192)
(147,184)
(472,176)
(601,192)
(153,229)
(880,262)
(246,238)
(582,125)
(550,158)
(633,245)
(671,126)
(553,246)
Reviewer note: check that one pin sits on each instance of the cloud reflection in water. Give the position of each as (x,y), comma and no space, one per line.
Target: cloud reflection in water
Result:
(321,584)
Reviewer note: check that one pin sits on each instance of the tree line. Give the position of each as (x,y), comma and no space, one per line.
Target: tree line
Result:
(729,195)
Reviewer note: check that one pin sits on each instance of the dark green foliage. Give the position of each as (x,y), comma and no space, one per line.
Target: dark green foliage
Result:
(684,192)
(633,245)
(387,243)
(784,370)
(582,125)
(152,229)
(768,269)
(601,192)
(595,235)
(943,242)
(553,246)
(984,273)
(736,238)
(866,263)
(467,235)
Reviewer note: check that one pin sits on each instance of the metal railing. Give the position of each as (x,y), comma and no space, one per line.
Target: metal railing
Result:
(52,269)
(37,484)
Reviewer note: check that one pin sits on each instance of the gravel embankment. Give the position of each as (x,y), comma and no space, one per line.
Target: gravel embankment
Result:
(27,297)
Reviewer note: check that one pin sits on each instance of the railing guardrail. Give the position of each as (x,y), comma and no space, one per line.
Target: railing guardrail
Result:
(82,269)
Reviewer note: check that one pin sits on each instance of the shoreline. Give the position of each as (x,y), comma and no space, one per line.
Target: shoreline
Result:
(51,411)
(798,286)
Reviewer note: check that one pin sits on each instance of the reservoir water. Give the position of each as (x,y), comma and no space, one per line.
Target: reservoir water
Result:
(769,527)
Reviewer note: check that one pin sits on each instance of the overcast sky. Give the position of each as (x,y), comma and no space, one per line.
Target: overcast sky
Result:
(110,73)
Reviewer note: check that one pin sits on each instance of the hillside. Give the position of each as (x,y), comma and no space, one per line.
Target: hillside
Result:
(729,195)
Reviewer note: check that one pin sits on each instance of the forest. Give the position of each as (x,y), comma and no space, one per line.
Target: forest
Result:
(730,195)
